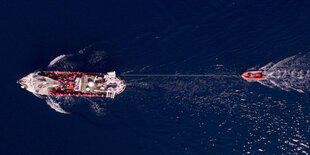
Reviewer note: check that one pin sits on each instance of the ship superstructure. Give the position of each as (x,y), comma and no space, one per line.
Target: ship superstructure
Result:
(65,83)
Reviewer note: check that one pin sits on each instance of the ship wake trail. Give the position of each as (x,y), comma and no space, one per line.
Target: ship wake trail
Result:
(292,73)
(54,104)
(56,60)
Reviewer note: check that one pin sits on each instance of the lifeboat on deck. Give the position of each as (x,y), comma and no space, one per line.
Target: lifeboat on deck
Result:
(253,75)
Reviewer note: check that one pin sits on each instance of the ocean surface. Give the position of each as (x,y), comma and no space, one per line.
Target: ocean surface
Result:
(219,113)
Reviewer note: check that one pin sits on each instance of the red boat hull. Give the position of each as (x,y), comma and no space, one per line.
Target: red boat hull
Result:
(253,75)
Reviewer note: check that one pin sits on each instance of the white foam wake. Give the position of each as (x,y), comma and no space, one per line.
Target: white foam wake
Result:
(55,105)
(292,73)
(56,60)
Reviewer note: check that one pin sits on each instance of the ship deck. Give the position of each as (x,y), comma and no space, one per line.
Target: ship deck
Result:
(99,86)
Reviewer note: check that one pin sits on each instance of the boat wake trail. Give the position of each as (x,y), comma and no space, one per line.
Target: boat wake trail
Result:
(57,60)
(55,104)
(226,104)
(292,73)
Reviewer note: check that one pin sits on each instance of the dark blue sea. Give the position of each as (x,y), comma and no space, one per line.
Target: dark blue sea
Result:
(211,114)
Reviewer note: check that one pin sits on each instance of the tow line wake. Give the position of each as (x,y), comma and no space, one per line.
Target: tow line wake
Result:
(180,75)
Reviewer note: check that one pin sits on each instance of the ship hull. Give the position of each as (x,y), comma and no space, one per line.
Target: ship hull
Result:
(65,83)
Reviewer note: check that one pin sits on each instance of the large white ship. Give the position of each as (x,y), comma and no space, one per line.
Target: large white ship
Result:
(65,83)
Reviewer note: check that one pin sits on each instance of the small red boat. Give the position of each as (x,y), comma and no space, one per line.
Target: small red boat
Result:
(253,75)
